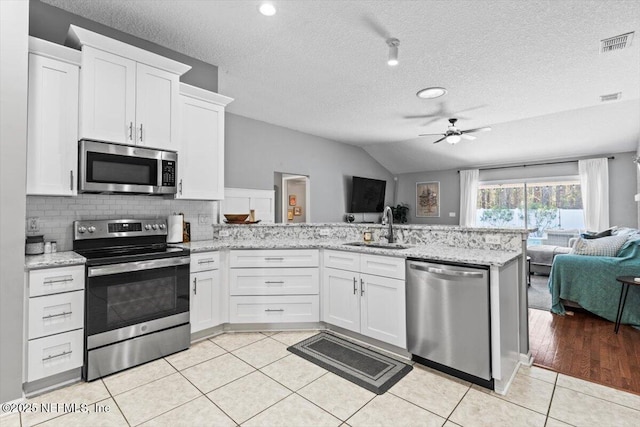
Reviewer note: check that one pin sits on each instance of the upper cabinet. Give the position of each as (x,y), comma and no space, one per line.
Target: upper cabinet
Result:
(201,147)
(127,95)
(52,141)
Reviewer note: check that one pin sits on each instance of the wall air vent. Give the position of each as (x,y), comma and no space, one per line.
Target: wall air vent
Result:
(611,97)
(616,43)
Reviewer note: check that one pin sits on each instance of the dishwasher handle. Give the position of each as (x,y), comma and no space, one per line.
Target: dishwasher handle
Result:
(445,272)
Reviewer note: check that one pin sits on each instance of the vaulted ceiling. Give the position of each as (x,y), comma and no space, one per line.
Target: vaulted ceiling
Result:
(530,69)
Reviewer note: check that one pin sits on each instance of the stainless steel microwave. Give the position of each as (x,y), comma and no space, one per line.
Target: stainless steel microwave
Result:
(106,167)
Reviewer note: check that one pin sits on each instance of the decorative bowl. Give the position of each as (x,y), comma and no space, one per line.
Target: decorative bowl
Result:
(236,217)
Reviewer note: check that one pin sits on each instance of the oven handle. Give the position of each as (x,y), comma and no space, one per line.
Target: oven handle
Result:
(126,267)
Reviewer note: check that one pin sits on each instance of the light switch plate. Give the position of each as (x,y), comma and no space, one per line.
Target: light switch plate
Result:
(492,239)
(203,219)
(224,233)
(324,232)
(452,214)
(33,224)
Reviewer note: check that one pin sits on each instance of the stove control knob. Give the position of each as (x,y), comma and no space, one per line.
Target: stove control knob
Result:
(154,226)
(91,229)
(162,226)
(147,227)
(82,229)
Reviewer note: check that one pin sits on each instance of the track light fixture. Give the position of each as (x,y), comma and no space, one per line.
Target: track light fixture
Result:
(393,51)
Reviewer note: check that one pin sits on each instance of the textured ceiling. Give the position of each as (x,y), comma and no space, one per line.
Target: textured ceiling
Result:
(530,69)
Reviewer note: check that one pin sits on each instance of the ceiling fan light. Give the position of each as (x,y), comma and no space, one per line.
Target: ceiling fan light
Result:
(393,52)
(431,92)
(453,139)
(267,9)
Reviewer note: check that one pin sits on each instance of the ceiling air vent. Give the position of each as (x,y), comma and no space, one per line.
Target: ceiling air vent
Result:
(616,43)
(611,97)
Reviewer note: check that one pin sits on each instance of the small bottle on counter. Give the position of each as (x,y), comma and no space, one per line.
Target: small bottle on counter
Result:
(54,246)
(47,247)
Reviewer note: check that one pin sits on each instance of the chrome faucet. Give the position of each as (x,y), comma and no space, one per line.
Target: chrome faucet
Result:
(387,219)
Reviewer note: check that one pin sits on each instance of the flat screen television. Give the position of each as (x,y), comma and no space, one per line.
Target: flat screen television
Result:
(367,195)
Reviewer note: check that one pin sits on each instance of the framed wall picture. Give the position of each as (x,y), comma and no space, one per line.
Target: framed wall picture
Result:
(290,214)
(297,211)
(292,200)
(428,199)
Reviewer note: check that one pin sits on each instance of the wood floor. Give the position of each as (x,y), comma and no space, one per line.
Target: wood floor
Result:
(585,346)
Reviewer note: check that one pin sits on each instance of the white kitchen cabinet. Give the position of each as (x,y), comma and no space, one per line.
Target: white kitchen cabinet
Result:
(52,139)
(274,286)
(201,144)
(127,95)
(53,321)
(371,304)
(206,292)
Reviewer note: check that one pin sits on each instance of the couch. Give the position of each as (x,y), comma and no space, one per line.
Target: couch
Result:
(590,281)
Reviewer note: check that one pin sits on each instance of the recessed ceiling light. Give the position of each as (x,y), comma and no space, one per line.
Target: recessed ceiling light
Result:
(431,92)
(267,9)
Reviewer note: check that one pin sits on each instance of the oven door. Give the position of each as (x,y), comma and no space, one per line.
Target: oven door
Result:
(135,298)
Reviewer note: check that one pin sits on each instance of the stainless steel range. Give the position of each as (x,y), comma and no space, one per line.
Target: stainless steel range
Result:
(137,294)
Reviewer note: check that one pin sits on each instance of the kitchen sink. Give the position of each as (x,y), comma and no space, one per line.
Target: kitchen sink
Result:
(377,245)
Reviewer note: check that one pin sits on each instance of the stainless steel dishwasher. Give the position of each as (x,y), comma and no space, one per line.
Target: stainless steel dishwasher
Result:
(448,318)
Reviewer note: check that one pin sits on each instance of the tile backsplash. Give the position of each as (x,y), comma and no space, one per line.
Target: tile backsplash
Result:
(56,214)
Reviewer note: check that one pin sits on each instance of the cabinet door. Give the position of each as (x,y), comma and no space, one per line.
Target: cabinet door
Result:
(157,108)
(205,306)
(201,151)
(383,314)
(107,97)
(341,299)
(52,145)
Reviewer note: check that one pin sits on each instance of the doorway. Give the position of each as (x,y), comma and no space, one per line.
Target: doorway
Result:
(296,199)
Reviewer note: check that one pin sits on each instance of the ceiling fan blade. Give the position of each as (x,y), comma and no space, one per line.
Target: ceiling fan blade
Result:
(484,129)
(423,116)
(433,134)
(468,137)
(441,139)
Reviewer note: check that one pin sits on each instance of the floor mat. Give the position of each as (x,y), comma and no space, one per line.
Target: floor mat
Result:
(367,368)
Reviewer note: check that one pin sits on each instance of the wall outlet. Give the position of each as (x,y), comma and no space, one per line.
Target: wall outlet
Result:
(33,224)
(452,214)
(224,233)
(492,239)
(324,232)
(203,219)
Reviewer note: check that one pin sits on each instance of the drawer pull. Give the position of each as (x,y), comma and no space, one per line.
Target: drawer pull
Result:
(205,261)
(274,282)
(59,279)
(274,259)
(64,353)
(273,309)
(50,316)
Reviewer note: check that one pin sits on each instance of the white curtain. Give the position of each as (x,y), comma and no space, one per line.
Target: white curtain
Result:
(594,186)
(468,197)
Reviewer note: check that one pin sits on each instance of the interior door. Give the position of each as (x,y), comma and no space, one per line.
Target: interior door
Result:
(341,297)
(108,97)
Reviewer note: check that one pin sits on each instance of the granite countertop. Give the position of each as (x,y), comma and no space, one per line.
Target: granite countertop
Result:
(431,252)
(57,259)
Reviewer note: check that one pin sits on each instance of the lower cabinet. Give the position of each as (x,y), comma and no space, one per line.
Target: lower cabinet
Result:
(369,304)
(54,321)
(206,291)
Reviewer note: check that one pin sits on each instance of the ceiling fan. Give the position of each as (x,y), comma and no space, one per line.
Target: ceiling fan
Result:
(454,135)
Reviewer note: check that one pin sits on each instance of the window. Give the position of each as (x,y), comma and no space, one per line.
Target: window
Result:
(554,207)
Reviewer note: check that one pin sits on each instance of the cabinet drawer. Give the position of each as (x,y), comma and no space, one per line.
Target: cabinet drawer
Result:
(52,314)
(342,260)
(274,281)
(56,280)
(382,266)
(274,309)
(54,354)
(274,258)
(203,261)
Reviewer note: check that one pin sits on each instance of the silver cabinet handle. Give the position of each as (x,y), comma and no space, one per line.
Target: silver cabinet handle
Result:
(181,186)
(446,272)
(274,282)
(361,287)
(273,309)
(59,279)
(64,353)
(71,180)
(126,267)
(140,132)
(355,289)
(195,286)
(50,316)
(273,259)
(206,261)
(130,131)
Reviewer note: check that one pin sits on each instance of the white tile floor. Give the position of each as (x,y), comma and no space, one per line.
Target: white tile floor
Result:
(250,379)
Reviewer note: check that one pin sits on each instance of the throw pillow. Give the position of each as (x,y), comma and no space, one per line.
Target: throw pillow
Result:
(604,246)
(594,235)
